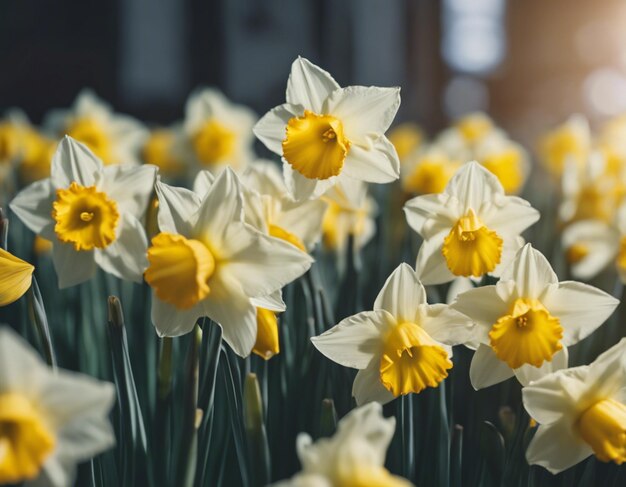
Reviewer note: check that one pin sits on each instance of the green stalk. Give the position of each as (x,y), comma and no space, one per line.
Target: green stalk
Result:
(258,448)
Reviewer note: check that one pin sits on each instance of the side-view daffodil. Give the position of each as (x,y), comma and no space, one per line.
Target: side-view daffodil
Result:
(324,130)
(49,420)
(581,412)
(91,213)
(471,229)
(401,347)
(355,455)
(206,261)
(16,277)
(526,321)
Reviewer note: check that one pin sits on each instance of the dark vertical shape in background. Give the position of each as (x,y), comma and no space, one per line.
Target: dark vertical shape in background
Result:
(205,42)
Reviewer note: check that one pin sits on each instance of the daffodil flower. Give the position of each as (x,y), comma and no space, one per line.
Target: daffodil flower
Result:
(570,142)
(471,229)
(217,133)
(112,137)
(160,150)
(355,455)
(324,130)
(49,420)
(206,261)
(428,171)
(91,213)
(526,321)
(401,347)
(581,411)
(16,277)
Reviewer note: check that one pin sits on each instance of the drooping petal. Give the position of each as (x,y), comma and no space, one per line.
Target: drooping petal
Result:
(271,129)
(367,386)
(74,162)
(273,302)
(402,294)
(130,187)
(487,369)
(16,276)
(178,208)
(302,188)
(72,266)
(33,205)
(309,85)
(556,447)
(355,340)
(374,162)
(528,373)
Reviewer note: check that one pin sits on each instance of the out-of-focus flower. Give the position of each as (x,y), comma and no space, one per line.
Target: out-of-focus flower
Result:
(41,245)
(528,319)
(570,142)
(208,262)
(474,127)
(90,213)
(506,160)
(354,456)
(592,245)
(406,138)
(36,158)
(159,149)
(581,412)
(324,130)
(112,137)
(428,171)
(49,420)
(401,347)
(217,133)
(471,229)
(15,277)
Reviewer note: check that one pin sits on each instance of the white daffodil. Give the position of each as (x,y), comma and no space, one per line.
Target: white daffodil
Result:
(428,170)
(49,420)
(526,321)
(401,347)
(355,455)
(112,137)
(592,245)
(207,262)
(217,133)
(581,411)
(350,212)
(471,229)
(568,143)
(91,213)
(324,130)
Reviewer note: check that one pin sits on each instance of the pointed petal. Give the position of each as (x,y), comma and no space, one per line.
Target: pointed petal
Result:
(72,267)
(304,220)
(376,162)
(271,129)
(367,386)
(309,85)
(33,205)
(402,294)
(531,272)
(487,369)
(74,162)
(556,447)
(473,184)
(203,182)
(16,276)
(178,208)
(273,302)
(431,266)
(130,187)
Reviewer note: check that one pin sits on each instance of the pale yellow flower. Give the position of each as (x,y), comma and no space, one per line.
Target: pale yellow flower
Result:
(15,277)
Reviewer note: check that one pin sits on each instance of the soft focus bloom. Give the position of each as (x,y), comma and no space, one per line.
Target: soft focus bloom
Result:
(471,229)
(350,212)
(160,150)
(401,347)
(428,171)
(112,137)
(581,412)
(528,319)
(592,245)
(15,277)
(207,262)
(406,138)
(324,130)
(49,420)
(91,213)
(568,143)
(217,133)
(354,456)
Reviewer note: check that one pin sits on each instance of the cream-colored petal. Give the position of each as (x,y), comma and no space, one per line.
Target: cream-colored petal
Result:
(402,294)
(487,369)
(309,85)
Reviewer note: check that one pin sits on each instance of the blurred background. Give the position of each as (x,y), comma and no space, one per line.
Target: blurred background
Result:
(528,63)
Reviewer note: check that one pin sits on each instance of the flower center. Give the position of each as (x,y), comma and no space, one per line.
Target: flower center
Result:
(213,142)
(430,176)
(267,344)
(474,127)
(528,335)
(281,233)
(25,440)
(158,150)
(85,217)
(507,167)
(92,134)
(576,252)
(315,145)
(471,249)
(560,145)
(179,269)
(603,427)
(411,360)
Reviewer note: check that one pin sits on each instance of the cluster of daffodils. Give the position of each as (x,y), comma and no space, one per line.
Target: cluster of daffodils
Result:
(427,166)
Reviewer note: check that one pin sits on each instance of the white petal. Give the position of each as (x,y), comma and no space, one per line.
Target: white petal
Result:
(85,437)
(580,308)
(485,305)
(72,267)
(367,386)
(178,208)
(303,188)
(531,272)
(431,266)
(472,185)
(557,448)
(271,129)
(309,85)
(203,182)
(304,220)
(446,325)
(457,287)
(487,369)
(126,257)
(355,340)
(20,366)
(602,241)
(74,162)
(402,294)
(510,246)
(130,187)
(273,302)
(607,373)
(528,373)
(33,205)
(364,111)
(376,162)
(170,321)
(56,472)
(510,215)
(431,214)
